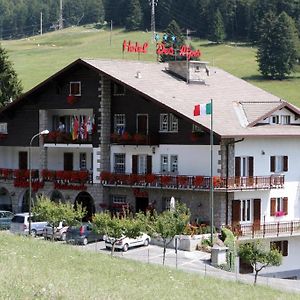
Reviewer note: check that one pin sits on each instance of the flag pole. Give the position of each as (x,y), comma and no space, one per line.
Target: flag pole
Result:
(211,175)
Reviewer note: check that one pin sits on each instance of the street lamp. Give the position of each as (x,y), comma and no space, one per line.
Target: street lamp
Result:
(44,132)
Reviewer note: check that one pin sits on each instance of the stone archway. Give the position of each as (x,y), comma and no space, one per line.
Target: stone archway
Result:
(24,200)
(87,202)
(5,200)
(56,196)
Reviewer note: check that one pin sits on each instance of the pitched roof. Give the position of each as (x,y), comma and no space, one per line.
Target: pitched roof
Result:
(225,90)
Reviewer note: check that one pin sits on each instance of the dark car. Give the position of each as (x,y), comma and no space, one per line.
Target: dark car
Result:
(82,234)
(5,219)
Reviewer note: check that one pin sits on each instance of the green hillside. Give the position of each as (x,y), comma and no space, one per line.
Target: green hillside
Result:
(38,269)
(38,57)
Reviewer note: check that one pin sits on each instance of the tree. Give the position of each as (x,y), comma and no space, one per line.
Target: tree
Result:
(277,51)
(54,212)
(173,37)
(116,227)
(10,86)
(217,31)
(258,258)
(134,19)
(168,224)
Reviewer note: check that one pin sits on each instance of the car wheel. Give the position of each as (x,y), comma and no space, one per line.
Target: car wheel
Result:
(63,236)
(146,242)
(108,248)
(125,248)
(33,233)
(85,241)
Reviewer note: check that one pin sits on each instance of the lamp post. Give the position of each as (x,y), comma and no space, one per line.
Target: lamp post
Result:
(44,132)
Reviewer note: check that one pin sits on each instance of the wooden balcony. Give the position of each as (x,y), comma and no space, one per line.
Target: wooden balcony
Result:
(270,229)
(135,139)
(185,182)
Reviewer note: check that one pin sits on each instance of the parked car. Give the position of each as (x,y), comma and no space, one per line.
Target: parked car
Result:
(5,219)
(20,225)
(60,232)
(82,234)
(125,242)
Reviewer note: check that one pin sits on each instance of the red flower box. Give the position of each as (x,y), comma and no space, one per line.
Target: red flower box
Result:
(199,181)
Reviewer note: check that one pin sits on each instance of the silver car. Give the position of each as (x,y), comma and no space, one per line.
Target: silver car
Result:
(20,225)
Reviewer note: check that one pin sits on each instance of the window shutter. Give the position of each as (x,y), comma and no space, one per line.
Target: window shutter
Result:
(149,164)
(273,207)
(272,163)
(285,163)
(256,214)
(237,166)
(251,159)
(236,212)
(134,164)
(285,205)
(285,246)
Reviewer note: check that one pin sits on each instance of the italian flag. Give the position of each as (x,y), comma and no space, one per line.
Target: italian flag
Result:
(202,109)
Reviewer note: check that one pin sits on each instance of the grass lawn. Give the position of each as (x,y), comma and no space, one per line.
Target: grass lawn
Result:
(38,57)
(38,269)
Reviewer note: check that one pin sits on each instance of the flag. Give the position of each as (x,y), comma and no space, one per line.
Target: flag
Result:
(202,109)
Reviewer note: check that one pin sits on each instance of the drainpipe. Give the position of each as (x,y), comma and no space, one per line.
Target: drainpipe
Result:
(227,174)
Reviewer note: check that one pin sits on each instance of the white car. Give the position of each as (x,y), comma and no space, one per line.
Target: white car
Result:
(125,242)
(60,232)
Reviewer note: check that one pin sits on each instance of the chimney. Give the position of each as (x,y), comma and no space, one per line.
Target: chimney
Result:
(194,71)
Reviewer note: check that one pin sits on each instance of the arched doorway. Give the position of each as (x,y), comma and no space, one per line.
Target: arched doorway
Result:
(87,202)
(56,196)
(5,200)
(25,201)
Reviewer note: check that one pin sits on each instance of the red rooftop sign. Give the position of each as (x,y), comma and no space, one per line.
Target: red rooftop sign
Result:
(135,47)
(161,49)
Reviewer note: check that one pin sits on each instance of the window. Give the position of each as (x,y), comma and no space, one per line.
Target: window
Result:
(118,199)
(274,119)
(279,206)
(119,123)
(285,120)
(196,128)
(244,166)
(119,90)
(75,88)
(82,161)
(164,121)
(174,164)
(3,128)
(246,210)
(119,163)
(168,123)
(279,163)
(142,164)
(281,246)
(164,163)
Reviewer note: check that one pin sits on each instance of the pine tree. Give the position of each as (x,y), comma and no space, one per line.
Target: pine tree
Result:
(10,86)
(277,52)
(217,31)
(135,17)
(173,38)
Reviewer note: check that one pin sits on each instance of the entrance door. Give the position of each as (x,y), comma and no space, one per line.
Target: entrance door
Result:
(23,161)
(141,204)
(68,161)
(142,124)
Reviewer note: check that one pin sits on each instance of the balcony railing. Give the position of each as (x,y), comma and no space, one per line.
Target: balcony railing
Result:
(270,229)
(57,137)
(192,182)
(72,180)
(135,139)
